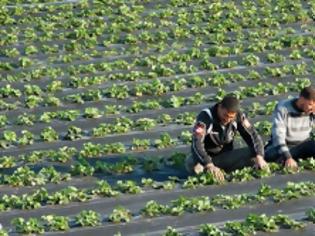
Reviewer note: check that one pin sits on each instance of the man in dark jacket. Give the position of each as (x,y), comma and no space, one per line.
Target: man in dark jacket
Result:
(293,121)
(213,136)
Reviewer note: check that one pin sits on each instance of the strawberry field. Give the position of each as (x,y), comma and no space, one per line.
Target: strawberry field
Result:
(97,103)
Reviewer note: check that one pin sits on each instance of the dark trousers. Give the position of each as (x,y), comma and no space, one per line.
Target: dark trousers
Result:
(228,161)
(300,151)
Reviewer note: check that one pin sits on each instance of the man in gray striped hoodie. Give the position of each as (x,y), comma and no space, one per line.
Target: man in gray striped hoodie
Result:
(293,121)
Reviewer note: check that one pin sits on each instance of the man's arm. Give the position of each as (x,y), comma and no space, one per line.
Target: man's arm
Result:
(279,133)
(199,133)
(250,135)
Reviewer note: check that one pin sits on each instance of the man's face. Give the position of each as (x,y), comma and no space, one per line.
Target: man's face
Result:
(308,106)
(225,116)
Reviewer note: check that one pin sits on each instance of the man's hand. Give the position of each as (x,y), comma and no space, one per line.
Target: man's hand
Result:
(291,164)
(260,163)
(198,168)
(217,173)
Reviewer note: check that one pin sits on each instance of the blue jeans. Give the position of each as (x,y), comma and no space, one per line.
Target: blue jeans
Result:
(302,150)
(228,160)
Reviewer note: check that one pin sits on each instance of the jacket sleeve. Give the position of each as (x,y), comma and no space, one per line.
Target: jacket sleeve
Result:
(250,134)
(201,126)
(278,132)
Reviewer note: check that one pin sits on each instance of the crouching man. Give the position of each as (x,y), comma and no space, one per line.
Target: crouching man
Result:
(293,120)
(212,142)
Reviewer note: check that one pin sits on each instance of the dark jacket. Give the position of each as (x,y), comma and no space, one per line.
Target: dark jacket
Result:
(211,138)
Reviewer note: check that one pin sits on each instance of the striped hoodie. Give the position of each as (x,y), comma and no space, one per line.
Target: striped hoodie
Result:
(290,127)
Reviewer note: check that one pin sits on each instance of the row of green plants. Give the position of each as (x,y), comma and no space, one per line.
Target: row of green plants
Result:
(24,176)
(41,197)
(120,125)
(66,154)
(251,225)
(25,61)
(247,227)
(192,60)
(262,89)
(76,54)
(169,64)
(158,62)
(91,150)
(178,18)
(122,8)
(123,125)
(177,207)
(248,174)
(25,119)
(158,88)
(174,101)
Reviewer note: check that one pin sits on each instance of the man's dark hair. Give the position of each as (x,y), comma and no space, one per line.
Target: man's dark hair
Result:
(308,93)
(230,103)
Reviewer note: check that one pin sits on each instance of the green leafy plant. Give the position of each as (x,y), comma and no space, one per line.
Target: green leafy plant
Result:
(3,120)
(263,127)
(244,174)
(230,202)
(262,223)
(32,90)
(175,101)
(275,58)
(74,133)
(128,186)
(63,154)
(52,101)
(211,230)
(307,164)
(140,144)
(285,222)
(120,214)
(49,134)
(295,55)
(113,109)
(122,167)
(153,209)
(145,123)
(164,141)
(67,195)
(114,148)
(186,118)
(82,168)
(92,112)
(7,162)
(117,91)
(33,101)
(104,189)
(151,164)
(9,136)
(24,176)
(310,213)
(26,119)
(164,119)
(88,218)
(30,226)
(251,60)
(56,223)
(8,91)
(171,232)
(239,228)
(51,175)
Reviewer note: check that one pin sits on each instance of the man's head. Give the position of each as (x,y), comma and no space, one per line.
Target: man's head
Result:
(306,101)
(227,109)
